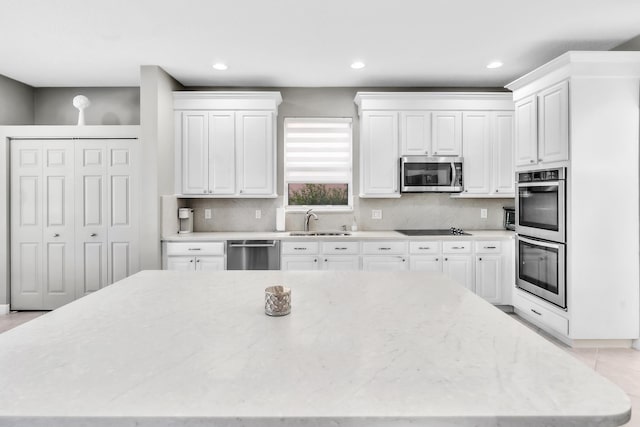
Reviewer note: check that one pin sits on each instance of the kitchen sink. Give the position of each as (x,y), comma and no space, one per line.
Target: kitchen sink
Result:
(319,233)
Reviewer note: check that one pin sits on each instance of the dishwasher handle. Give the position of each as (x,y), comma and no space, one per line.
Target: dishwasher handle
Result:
(253,245)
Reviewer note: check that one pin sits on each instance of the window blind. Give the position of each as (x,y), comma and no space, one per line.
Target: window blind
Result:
(317,150)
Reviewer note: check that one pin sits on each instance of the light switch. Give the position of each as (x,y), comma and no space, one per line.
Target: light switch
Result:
(483,213)
(258,213)
(207,214)
(376,213)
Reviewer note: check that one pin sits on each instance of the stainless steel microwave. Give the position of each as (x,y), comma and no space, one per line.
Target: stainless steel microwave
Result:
(424,174)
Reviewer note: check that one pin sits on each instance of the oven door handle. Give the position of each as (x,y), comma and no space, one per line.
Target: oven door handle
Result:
(539,184)
(541,243)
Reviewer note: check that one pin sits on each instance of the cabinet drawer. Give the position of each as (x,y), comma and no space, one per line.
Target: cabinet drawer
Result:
(431,247)
(541,314)
(346,248)
(290,248)
(456,247)
(488,247)
(384,248)
(195,248)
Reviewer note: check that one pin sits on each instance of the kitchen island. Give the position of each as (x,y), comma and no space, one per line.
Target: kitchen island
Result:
(167,348)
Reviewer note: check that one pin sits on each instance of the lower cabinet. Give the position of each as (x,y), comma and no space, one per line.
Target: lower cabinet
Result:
(488,277)
(460,269)
(340,263)
(425,263)
(194,256)
(299,262)
(384,263)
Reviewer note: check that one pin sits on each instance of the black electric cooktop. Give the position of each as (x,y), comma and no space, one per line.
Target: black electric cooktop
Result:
(435,232)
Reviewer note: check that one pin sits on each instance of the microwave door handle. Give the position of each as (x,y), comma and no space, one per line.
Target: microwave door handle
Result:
(453,174)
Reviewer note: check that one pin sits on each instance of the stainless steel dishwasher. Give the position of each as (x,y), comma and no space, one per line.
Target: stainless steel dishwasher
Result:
(253,255)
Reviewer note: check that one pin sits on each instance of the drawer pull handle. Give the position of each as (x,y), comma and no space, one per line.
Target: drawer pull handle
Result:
(457,247)
(536,312)
(489,247)
(195,249)
(424,247)
(341,249)
(384,249)
(299,249)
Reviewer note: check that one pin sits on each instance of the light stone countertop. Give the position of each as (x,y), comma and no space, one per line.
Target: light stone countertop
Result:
(355,235)
(169,349)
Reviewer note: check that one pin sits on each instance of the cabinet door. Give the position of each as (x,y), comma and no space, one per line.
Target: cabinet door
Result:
(460,269)
(122,212)
(299,263)
(415,133)
(341,263)
(255,147)
(476,146)
(26,225)
(384,263)
(553,123)
(181,263)
(425,263)
(58,224)
(222,153)
(526,131)
(379,160)
(91,220)
(210,263)
(503,170)
(446,133)
(195,152)
(488,277)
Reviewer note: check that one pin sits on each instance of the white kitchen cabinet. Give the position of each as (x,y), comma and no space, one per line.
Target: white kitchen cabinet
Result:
(542,126)
(415,133)
(460,269)
(384,263)
(340,262)
(74,218)
(446,133)
(194,256)
(489,277)
(226,143)
(425,263)
(299,262)
(379,159)
(106,213)
(488,154)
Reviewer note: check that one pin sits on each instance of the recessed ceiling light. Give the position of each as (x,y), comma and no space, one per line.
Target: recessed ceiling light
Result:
(220,66)
(494,64)
(357,65)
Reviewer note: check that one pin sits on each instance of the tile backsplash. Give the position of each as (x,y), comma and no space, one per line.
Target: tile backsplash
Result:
(409,211)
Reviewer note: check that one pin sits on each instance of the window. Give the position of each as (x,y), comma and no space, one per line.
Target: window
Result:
(317,163)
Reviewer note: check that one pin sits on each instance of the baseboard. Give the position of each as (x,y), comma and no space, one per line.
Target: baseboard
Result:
(4,309)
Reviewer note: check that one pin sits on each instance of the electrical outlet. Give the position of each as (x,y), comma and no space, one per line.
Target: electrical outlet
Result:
(483,213)
(258,213)
(207,214)
(376,213)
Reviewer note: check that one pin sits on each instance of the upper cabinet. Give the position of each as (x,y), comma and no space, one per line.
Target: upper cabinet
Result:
(226,143)
(477,126)
(430,133)
(542,126)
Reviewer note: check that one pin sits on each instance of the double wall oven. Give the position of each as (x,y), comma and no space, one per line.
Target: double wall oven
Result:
(541,235)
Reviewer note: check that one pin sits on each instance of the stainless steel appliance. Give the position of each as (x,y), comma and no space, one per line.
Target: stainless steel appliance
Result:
(185,220)
(435,232)
(541,269)
(423,174)
(253,255)
(509,218)
(541,204)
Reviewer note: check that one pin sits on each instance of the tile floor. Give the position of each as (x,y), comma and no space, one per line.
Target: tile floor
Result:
(621,366)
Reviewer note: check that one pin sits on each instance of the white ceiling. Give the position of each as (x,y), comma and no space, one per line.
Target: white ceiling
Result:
(301,42)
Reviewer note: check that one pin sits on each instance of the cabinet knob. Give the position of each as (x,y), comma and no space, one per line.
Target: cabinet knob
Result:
(531,161)
(204,191)
(56,235)
(539,160)
(93,234)
(326,260)
(210,191)
(426,152)
(315,260)
(446,259)
(436,259)
(479,259)
(435,152)
(197,260)
(496,190)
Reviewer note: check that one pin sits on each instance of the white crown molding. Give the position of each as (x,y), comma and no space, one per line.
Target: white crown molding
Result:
(583,64)
(408,101)
(226,100)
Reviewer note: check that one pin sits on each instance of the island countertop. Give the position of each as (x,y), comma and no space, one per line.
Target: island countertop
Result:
(168,348)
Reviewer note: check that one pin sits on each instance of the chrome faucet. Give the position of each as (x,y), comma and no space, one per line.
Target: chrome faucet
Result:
(307,217)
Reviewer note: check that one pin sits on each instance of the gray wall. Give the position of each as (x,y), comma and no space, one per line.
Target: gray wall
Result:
(16,102)
(109,105)
(632,44)
(156,129)
(410,211)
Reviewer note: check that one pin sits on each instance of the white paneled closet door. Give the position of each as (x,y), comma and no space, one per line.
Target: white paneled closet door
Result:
(91,220)
(42,218)
(122,216)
